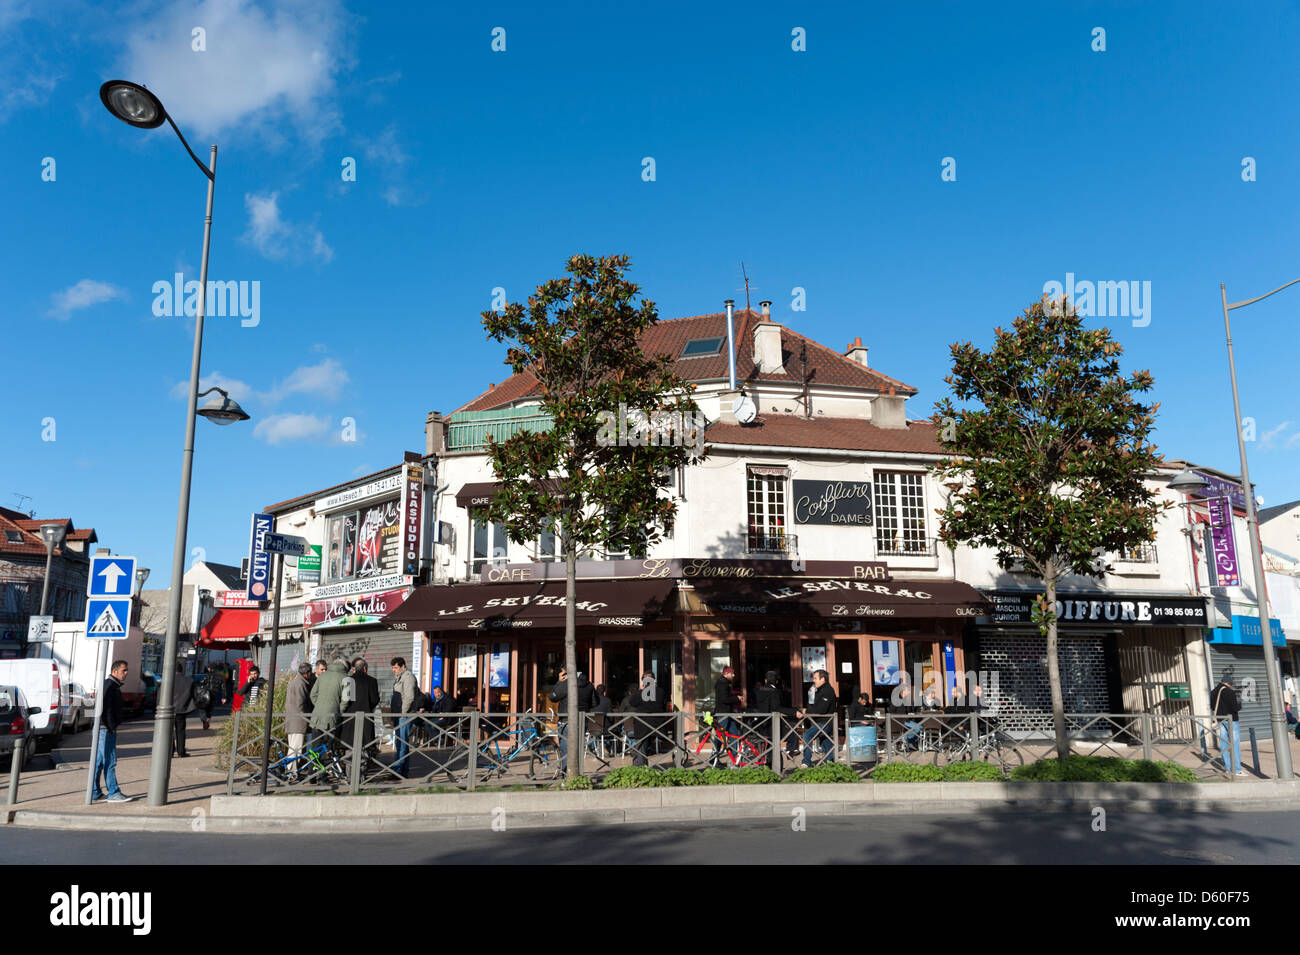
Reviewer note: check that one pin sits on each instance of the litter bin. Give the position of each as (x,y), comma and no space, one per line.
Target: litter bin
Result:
(862,743)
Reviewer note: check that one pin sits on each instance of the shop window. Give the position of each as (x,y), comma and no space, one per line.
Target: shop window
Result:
(15,598)
(363,543)
(488,541)
(900,514)
(765,502)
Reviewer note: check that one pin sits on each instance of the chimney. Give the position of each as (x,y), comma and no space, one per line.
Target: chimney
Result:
(435,433)
(887,411)
(767,309)
(857,351)
(767,344)
(731,344)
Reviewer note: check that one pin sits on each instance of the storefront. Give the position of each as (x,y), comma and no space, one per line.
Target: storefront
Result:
(1239,651)
(346,618)
(1117,653)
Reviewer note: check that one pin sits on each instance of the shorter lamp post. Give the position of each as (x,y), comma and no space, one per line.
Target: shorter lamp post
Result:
(52,534)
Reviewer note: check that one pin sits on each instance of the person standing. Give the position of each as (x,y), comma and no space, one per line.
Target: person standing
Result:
(820,727)
(768,698)
(216,686)
(1224,702)
(645,699)
(326,702)
(297,706)
(252,688)
(404,695)
(182,707)
(365,701)
(106,752)
(725,700)
(586,694)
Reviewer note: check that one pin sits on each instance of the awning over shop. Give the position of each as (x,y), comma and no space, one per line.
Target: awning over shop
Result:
(600,603)
(847,598)
(480,494)
(230,628)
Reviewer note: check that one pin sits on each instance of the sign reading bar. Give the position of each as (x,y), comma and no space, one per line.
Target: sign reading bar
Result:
(1082,610)
(832,502)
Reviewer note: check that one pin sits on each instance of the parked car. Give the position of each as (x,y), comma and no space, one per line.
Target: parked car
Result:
(78,712)
(42,686)
(15,723)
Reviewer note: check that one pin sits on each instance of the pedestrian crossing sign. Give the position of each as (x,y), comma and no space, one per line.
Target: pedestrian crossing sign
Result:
(108,619)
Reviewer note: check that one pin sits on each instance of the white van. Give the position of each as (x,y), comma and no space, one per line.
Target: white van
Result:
(42,686)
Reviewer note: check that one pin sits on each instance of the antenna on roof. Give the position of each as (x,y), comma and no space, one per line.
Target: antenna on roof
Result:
(22,501)
(746,288)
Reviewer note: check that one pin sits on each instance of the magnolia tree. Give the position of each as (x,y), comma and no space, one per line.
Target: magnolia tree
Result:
(1048,448)
(622,422)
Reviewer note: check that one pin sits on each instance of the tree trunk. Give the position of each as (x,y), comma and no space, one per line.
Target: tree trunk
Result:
(1054,672)
(575,734)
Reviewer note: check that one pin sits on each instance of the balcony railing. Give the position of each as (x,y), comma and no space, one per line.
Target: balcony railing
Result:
(1142,554)
(905,546)
(469,430)
(769,542)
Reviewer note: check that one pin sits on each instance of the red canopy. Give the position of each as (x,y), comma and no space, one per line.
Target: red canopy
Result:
(230,629)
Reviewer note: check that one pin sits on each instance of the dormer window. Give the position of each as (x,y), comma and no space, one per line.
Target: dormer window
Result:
(14,537)
(701,347)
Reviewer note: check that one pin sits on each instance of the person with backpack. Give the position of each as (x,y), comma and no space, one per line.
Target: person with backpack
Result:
(1224,702)
(820,727)
(207,693)
(406,699)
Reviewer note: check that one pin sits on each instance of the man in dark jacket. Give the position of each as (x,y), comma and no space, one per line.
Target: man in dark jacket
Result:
(441,702)
(110,720)
(252,688)
(768,698)
(297,707)
(725,700)
(820,727)
(365,701)
(586,696)
(215,681)
(645,699)
(1224,702)
(183,705)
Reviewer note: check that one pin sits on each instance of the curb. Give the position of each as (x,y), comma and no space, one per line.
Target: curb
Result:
(522,810)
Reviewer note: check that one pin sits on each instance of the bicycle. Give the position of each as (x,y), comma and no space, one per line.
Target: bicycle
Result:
(314,762)
(739,750)
(530,740)
(994,746)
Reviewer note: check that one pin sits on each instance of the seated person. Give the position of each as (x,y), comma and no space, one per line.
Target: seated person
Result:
(860,708)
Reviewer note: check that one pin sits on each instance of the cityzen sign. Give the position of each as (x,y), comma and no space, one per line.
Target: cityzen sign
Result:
(259,560)
(832,502)
(1084,609)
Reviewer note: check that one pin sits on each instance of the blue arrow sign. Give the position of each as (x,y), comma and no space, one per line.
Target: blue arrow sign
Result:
(111,577)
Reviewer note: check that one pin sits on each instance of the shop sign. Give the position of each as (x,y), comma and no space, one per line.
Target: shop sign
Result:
(814,659)
(1222,545)
(688,569)
(1218,487)
(235,599)
(379,532)
(346,611)
(1178,691)
(884,662)
(499,671)
(467,661)
(832,502)
(289,617)
(1247,632)
(412,517)
(309,566)
(373,585)
(436,651)
(352,495)
(259,560)
(1017,606)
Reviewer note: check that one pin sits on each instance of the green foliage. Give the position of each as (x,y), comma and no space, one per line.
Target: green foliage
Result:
(643,777)
(579,336)
(973,771)
(1102,769)
(907,773)
(578,782)
(252,722)
(825,773)
(1050,447)
(633,777)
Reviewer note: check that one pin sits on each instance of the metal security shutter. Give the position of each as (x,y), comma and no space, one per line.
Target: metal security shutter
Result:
(376,647)
(1022,695)
(1247,664)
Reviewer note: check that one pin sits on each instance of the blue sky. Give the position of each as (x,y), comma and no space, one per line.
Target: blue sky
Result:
(820,169)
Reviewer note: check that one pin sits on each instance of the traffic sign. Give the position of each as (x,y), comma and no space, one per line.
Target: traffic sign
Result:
(111,577)
(288,544)
(108,619)
(38,628)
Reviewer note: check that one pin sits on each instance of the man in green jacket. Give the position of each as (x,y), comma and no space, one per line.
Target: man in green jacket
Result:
(327,701)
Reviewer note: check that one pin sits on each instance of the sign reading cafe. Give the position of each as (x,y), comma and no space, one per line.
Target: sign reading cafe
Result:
(832,502)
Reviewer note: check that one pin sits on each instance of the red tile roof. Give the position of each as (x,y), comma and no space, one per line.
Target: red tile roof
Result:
(30,528)
(669,336)
(847,434)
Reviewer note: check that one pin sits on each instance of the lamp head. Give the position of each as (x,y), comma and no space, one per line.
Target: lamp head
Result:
(133,104)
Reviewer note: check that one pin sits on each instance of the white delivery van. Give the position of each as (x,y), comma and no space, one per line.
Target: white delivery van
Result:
(78,657)
(43,687)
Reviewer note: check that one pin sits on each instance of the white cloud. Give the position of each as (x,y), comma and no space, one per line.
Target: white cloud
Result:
(1294,440)
(280,428)
(390,159)
(278,239)
(1267,439)
(325,380)
(84,294)
(263,63)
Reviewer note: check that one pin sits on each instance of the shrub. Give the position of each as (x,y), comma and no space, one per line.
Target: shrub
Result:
(825,773)
(907,773)
(1101,769)
(251,727)
(972,772)
(633,777)
(578,782)
(643,777)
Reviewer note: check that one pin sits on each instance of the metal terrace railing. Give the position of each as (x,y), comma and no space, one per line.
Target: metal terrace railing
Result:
(469,430)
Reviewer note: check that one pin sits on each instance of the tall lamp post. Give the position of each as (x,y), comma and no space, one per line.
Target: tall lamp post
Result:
(52,534)
(1273,673)
(135,105)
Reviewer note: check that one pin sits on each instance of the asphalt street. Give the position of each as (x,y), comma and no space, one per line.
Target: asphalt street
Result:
(1130,838)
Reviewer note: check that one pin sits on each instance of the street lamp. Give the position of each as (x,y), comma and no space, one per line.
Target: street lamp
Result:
(1273,673)
(136,106)
(53,535)
(224,410)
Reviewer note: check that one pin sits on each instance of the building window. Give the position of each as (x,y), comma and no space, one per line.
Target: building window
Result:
(13,600)
(700,347)
(488,540)
(548,546)
(900,513)
(1140,554)
(766,507)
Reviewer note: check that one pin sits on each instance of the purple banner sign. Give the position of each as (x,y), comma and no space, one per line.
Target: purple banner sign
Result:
(1223,547)
(1218,487)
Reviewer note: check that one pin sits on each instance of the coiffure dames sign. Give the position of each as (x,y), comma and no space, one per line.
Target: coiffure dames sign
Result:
(832,502)
(1083,610)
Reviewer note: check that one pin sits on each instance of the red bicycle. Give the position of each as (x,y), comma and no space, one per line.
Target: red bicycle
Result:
(727,747)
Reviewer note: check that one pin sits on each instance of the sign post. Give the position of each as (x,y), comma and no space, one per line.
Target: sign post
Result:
(108,617)
(278,544)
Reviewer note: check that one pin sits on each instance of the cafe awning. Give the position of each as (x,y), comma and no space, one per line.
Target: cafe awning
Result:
(600,603)
(230,629)
(842,598)
(480,494)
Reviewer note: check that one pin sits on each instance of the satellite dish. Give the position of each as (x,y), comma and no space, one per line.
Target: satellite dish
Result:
(744,409)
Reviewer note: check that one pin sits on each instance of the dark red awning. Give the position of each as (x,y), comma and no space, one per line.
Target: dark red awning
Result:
(230,629)
(842,598)
(600,603)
